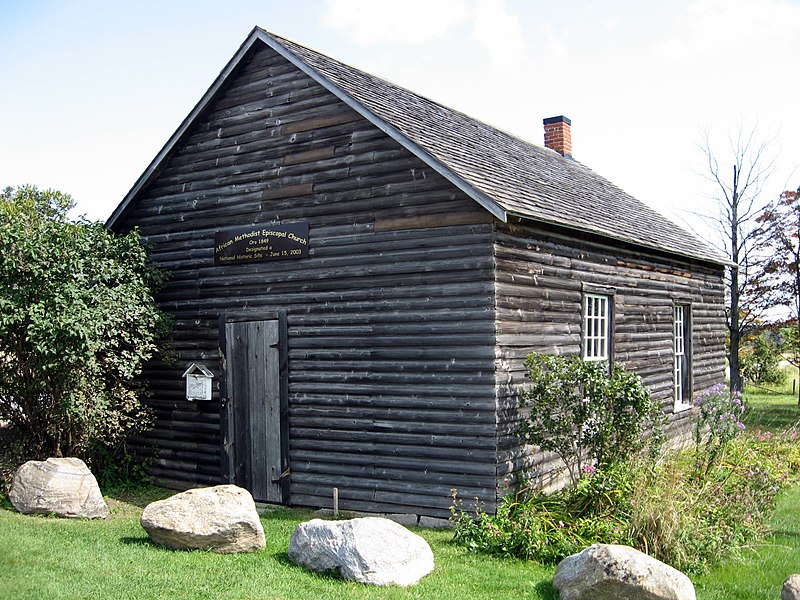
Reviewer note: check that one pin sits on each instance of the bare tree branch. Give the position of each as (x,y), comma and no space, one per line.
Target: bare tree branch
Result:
(739,180)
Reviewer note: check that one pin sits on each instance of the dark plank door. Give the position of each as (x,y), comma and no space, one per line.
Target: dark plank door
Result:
(254,391)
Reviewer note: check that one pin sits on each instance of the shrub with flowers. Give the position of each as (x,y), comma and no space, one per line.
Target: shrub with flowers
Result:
(588,414)
(718,424)
(685,518)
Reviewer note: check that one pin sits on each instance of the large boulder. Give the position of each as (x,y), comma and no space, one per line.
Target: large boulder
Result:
(612,572)
(60,486)
(222,519)
(791,588)
(371,550)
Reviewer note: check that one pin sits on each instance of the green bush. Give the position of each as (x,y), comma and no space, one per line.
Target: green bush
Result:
(77,320)
(761,358)
(685,518)
(687,508)
(119,470)
(548,527)
(590,417)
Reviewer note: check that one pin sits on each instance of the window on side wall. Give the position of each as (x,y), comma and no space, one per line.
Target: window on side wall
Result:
(597,327)
(682,337)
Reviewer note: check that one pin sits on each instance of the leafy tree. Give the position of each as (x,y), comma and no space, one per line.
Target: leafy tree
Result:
(585,414)
(790,337)
(77,319)
(761,357)
(739,185)
(781,235)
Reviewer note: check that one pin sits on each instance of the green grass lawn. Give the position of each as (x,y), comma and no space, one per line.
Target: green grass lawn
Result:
(774,406)
(761,571)
(771,408)
(43,557)
(56,558)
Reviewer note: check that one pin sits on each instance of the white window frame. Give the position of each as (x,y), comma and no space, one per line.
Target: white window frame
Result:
(596,327)
(682,353)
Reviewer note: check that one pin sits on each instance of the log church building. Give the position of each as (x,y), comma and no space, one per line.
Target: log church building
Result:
(360,272)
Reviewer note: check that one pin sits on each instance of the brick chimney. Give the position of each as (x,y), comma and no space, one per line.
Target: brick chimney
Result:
(558,135)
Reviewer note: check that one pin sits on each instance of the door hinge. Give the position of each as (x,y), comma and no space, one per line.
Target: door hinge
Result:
(286,473)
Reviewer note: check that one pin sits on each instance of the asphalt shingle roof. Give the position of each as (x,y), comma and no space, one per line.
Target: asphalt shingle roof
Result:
(522,178)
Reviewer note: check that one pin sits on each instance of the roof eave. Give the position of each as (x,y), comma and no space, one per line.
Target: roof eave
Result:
(652,247)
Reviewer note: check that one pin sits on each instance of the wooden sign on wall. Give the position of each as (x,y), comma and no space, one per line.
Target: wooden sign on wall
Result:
(259,243)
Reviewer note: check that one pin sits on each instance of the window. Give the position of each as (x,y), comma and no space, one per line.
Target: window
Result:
(596,327)
(683,355)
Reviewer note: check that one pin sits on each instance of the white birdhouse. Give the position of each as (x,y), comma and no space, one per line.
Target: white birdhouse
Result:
(198,382)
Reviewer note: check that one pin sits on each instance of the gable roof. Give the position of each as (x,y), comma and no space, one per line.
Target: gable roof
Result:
(509,177)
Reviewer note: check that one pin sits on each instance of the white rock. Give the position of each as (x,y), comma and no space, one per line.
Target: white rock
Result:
(371,550)
(222,518)
(61,486)
(612,572)
(791,588)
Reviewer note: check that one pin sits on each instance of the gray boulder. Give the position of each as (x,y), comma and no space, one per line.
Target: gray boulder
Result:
(60,486)
(611,572)
(222,519)
(791,588)
(371,550)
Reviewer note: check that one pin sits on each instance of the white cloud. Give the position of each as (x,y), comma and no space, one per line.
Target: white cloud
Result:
(733,30)
(414,21)
(734,59)
(370,23)
(719,62)
(556,45)
(500,33)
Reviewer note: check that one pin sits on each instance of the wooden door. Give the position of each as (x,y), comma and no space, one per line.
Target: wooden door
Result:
(256,421)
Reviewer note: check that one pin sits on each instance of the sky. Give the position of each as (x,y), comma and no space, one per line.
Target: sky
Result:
(91,90)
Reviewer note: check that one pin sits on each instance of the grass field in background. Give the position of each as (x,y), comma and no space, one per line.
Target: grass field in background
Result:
(770,407)
(760,572)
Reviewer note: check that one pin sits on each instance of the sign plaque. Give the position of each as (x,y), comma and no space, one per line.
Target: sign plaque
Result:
(261,243)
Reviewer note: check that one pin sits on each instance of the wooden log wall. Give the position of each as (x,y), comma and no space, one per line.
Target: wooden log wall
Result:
(390,318)
(541,277)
